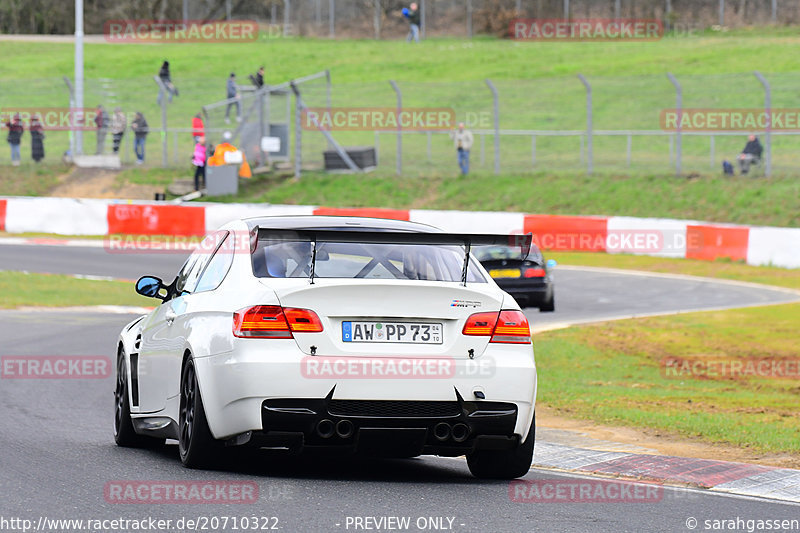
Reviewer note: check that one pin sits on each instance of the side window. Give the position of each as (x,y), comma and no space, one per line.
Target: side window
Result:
(218,267)
(194,266)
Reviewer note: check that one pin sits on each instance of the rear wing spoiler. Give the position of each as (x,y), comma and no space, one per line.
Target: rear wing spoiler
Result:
(371,236)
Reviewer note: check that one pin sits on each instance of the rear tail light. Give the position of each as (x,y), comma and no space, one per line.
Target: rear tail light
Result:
(510,327)
(274,322)
(480,324)
(535,273)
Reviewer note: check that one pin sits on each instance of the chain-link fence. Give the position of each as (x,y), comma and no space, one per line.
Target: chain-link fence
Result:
(542,124)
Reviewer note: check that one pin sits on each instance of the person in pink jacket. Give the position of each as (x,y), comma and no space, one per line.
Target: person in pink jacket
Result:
(199,162)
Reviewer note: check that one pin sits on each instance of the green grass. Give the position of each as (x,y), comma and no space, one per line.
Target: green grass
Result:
(773,202)
(781,277)
(613,374)
(52,290)
(537,84)
(30,179)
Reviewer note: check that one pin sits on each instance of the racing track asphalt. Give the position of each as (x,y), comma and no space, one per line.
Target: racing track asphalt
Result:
(58,451)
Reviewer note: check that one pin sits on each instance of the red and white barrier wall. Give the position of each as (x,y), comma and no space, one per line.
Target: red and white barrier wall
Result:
(647,236)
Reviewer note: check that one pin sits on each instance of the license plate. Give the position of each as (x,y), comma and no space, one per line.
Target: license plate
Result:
(402,332)
(505,273)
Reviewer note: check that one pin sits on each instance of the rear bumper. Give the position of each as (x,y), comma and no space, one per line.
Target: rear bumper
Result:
(526,293)
(265,392)
(387,428)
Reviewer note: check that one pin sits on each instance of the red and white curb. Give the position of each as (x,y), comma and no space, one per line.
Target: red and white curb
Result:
(720,476)
(612,234)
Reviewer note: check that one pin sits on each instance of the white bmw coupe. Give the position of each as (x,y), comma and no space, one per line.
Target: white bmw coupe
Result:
(361,335)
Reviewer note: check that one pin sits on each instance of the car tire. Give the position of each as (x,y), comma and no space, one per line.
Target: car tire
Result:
(196,444)
(505,464)
(124,434)
(550,305)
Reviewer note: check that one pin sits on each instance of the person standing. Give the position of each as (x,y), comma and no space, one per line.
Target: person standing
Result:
(101,121)
(260,77)
(462,139)
(232,92)
(37,139)
(118,124)
(413,16)
(198,128)
(140,131)
(15,129)
(199,162)
(166,79)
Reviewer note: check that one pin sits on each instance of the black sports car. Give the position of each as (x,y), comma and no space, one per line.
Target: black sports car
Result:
(527,278)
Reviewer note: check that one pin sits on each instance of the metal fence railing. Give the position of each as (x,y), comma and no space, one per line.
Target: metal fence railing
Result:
(593,124)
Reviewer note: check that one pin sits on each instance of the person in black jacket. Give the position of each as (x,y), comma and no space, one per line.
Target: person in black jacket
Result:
(413,16)
(751,155)
(166,79)
(37,139)
(140,131)
(14,138)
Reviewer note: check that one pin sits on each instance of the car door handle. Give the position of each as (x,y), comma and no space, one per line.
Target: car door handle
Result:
(170,316)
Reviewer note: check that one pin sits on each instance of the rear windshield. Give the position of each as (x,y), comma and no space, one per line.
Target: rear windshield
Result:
(292,259)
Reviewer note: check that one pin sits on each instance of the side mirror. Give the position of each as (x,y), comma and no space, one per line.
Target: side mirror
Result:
(551,263)
(150,286)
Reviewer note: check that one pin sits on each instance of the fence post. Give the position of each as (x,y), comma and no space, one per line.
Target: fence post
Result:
(74,115)
(331,11)
(721,12)
(768,132)
(399,128)
(377,19)
(286,15)
(566,9)
(668,21)
(469,19)
(496,111)
(428,133)
(628,149)
(533,150)
(678,138)
(589,152)
(298,137)
(228,9)
(185,11)
(163,89)
(712,151)
(328,96)
(422,18)
(774,11)
(175,147)
(483,149)
(617,9)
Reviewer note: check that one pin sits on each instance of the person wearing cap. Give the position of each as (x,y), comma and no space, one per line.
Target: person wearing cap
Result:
(15,130)
(233,94)
(218,159)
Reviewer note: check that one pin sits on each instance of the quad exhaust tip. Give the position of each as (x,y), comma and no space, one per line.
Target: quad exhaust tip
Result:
(326,428)
(460,432)
(442,431)
(344,429)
